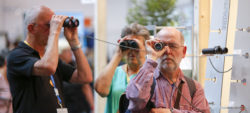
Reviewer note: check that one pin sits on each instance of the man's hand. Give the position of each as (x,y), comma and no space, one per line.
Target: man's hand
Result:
(152,53)
(56,24)
(160,110)
(71,35)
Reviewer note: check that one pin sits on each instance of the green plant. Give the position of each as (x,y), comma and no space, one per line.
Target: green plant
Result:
(152,12)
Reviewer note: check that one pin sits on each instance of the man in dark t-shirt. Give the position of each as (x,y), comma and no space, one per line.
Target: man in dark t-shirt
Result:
(34,70)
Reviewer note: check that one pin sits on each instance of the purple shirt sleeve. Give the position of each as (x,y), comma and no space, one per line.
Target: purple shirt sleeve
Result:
(138,90)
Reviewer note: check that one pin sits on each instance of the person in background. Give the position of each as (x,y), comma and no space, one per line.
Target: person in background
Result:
(113,79)
(34,70)
(172,88)
(78,98)
(5,96)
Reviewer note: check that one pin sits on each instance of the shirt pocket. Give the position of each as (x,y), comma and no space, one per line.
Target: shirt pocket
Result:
(185,107)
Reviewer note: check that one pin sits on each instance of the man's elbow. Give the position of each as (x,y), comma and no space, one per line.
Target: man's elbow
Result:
(81,78)
(88,78)
(51,70)
(44,69)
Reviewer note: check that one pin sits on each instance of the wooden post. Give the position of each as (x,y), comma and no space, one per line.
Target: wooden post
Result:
(100,50)
(229,60)
(204,30)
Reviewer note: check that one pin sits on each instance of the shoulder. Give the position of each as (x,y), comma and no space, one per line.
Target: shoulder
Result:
(120,69)
(16,53)
(197,85)
(119,73)
(193,82)
(21,55)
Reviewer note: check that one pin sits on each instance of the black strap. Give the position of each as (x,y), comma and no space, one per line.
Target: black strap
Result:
(178,98)
(192,90)
(191,86)
(150,104)
(124,102)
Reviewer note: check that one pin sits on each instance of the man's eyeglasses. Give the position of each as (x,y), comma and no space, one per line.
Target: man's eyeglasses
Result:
(173,45)
(47,25)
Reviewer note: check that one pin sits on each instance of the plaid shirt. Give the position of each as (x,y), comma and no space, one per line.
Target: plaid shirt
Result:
(138,92)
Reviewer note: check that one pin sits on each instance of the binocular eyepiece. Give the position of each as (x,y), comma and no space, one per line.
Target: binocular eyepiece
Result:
(159,46)
(215,50)
(128,43)
(69,22)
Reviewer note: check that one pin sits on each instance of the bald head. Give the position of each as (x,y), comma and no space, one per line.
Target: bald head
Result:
(171,32)
(32,14)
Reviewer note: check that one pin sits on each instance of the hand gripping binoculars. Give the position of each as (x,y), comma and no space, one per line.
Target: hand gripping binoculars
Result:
(69,22)
(127,44)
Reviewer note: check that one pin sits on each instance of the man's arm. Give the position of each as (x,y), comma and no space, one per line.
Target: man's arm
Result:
(87,91)
(47,65)
(138,90)
(83,73)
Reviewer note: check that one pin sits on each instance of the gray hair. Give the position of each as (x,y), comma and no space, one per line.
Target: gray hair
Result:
(135,29)
(31,15)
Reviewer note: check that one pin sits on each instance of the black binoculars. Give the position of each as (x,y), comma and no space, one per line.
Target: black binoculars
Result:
(126,44)
(69,22)
(159,46)
(215,50)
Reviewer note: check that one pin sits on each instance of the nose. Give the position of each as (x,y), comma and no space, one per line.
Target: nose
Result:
(168,50)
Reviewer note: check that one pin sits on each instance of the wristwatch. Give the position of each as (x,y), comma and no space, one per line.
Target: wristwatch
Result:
(76,47)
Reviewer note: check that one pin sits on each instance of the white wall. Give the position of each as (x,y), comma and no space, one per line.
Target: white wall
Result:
(184,8)
(116,20)
(13,10)
(1,15)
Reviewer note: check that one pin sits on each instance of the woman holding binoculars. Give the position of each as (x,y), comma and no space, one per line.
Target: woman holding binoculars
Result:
(112,81)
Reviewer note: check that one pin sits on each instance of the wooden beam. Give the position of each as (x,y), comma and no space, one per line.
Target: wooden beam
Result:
(229,60)
(100,50)
(204,30)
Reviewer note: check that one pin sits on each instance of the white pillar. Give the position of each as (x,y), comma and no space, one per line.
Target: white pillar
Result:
(204,29)
(229,60)
(100,50)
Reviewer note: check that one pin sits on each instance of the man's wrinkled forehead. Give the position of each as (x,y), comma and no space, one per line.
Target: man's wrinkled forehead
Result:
(168,34)
(44,13)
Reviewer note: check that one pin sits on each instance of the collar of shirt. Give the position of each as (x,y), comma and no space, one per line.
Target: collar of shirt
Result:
(28,48)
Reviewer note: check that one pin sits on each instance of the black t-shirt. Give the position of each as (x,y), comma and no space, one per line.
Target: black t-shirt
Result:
(31,93)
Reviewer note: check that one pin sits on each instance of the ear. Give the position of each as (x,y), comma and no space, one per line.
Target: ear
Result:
(30,28)
(184,51)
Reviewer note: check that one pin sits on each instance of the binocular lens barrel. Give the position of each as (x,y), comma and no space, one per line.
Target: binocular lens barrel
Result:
(123,45)
(128,43)
(71,22)
(215,50)
(159,46)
